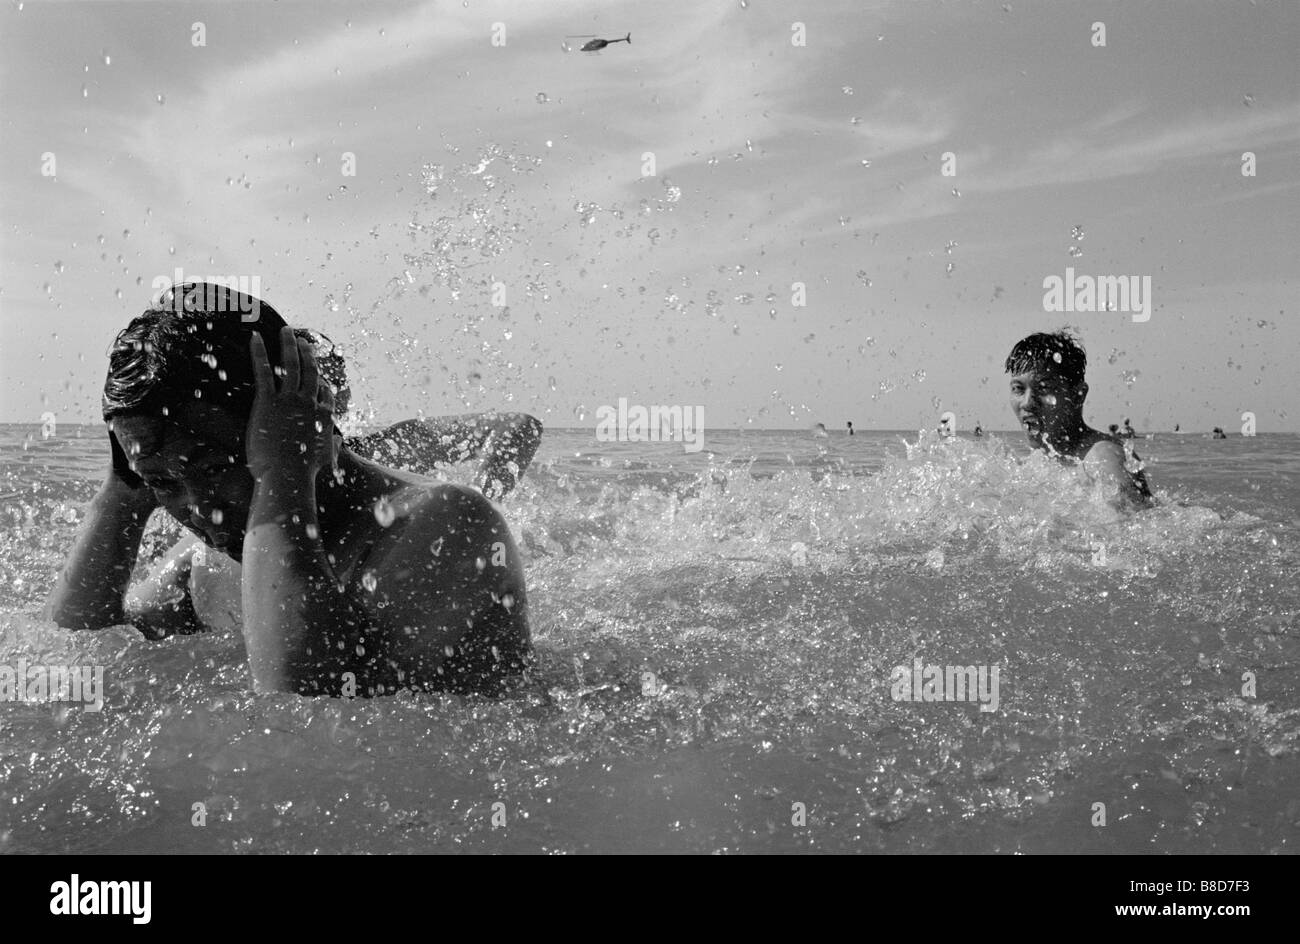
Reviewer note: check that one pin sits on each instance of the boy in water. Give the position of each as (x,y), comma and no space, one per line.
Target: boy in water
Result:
(356,579)
(1047,394)
(189,590)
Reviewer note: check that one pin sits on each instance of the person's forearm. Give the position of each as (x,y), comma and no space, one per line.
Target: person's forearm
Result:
(89,591)
(290,593)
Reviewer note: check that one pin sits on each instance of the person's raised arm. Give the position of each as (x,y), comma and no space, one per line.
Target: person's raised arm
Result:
(300,628)
(90,589)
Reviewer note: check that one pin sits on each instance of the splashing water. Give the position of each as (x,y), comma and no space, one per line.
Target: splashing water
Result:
(715,637)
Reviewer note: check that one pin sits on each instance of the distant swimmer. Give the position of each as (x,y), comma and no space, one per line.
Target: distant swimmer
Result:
(850,427)
(356,579)
(1129,432)
(1219,433)
(1175,427)
(819,430)
(595,45)
(1047,396)
(979,430)
(1114,429)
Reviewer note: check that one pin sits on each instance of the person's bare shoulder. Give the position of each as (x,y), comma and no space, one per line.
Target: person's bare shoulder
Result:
(1105,462)
(444,585)
(439,540)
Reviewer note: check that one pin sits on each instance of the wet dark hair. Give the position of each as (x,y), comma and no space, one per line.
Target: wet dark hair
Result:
(192,344)
(1059,354)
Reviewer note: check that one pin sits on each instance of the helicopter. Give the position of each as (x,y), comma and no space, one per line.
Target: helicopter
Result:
(595,45)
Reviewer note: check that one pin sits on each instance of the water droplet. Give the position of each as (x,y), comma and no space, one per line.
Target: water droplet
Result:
(161,99)
(1076,233)
(58,267)
(542,98)
(85,92)
(218,516)
(1248,100)
(384,513)
(369,581)
(847,89)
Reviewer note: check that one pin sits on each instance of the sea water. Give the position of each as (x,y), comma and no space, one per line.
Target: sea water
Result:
(715,637)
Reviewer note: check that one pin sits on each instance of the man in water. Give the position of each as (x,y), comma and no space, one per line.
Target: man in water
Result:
(189,590)
(1047,394)
(850,427)
(356,579)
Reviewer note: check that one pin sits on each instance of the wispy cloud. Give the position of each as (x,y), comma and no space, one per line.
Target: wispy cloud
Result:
(1125,144)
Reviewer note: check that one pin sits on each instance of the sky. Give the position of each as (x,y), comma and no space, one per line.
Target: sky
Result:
(745,209)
